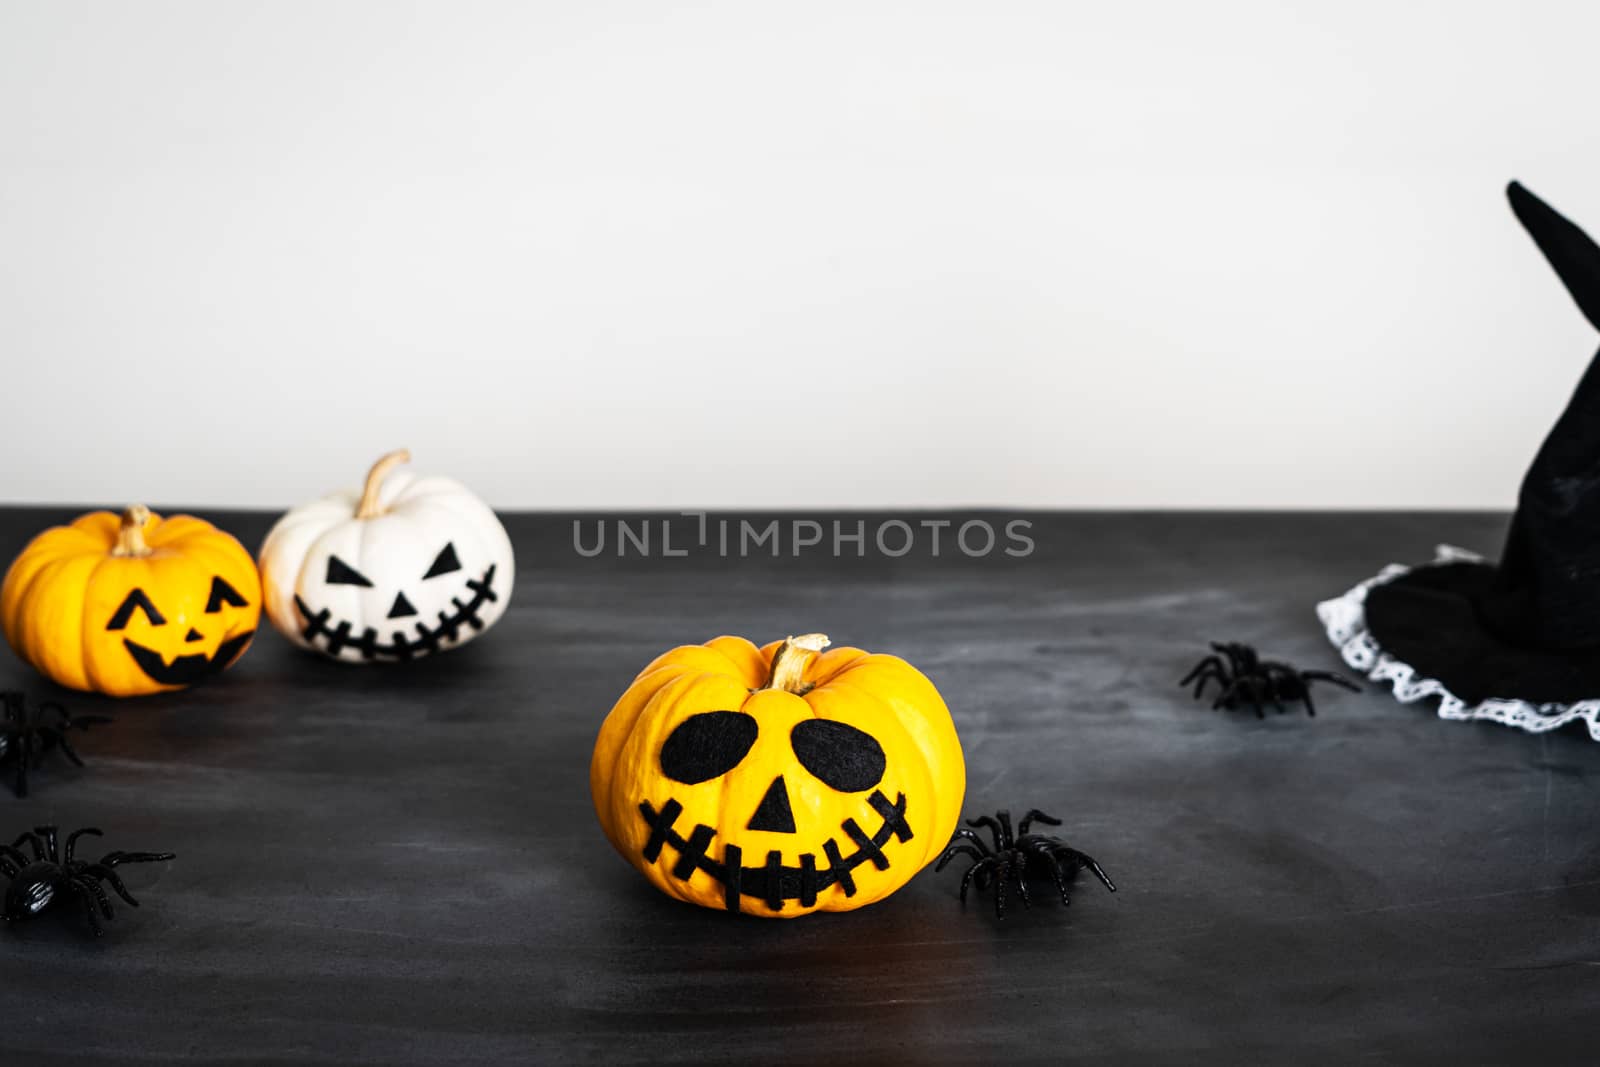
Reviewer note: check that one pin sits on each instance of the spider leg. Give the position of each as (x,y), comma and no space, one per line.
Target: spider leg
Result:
(1209,663)
(8,867)
(111,859)
(49,835)
(1329,676)
(1284,683)
(1206,669)
(67,749)
(966,879)
(27,752)
(13,855)
(113,879)
(970,835)
(99,894)
(1033,816)
(1218,672)
(994,828)
(1251,688)
(1053,865)
(88,907)
(1229,692)
(1236,661)
(32,840)
(1082,859)
(72,841)
(1019,875)
(1005,827)
(1000,873)
(959,849)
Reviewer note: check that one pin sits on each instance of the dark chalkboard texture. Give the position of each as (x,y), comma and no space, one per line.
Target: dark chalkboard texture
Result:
(401,864)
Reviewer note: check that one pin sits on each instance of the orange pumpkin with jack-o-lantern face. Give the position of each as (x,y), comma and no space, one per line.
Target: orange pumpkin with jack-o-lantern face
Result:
(776,781)
(131,604)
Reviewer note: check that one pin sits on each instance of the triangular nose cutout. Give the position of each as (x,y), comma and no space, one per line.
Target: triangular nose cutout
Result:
(773,814)
(402,607)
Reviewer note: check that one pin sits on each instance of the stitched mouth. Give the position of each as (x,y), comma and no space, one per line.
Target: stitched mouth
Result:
(186,670)
(401,645)
(773,882)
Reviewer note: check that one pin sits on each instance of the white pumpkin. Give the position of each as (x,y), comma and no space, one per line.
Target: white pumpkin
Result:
(407,567)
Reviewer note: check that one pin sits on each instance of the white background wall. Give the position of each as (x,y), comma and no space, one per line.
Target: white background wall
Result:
(641,254)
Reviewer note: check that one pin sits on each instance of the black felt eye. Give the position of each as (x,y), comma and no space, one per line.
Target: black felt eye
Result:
(135,599)
(707,746)
(845,758)
(341,573)
(444,562)
(222,593)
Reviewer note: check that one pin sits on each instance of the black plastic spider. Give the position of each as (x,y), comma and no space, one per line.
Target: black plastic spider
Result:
(1013,855)
(26,736)
(38,883)
(1246,678)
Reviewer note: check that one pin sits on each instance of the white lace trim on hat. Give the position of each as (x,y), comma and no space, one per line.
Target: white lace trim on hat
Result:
(1345,619)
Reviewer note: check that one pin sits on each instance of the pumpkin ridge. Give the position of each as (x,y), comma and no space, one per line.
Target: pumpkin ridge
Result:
(618,734)
(91,674)
(170,533)
(53,571)
(668,662)
(316,513)
(18,584)
(730,664)
(692,656)
(432,490)
(227,557)
(837,661)
(100,526)
(23,639)
(744,659)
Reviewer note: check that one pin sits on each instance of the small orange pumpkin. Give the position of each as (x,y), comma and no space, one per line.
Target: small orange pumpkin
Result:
(777,781)
(132,604)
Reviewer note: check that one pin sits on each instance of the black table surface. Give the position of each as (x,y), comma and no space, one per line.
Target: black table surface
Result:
(402,865)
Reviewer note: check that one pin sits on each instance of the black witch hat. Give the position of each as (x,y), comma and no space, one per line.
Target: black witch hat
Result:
(1518,641)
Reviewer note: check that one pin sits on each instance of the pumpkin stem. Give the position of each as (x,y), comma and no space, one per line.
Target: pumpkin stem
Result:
(368,508)
(790,661)
(130,537)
